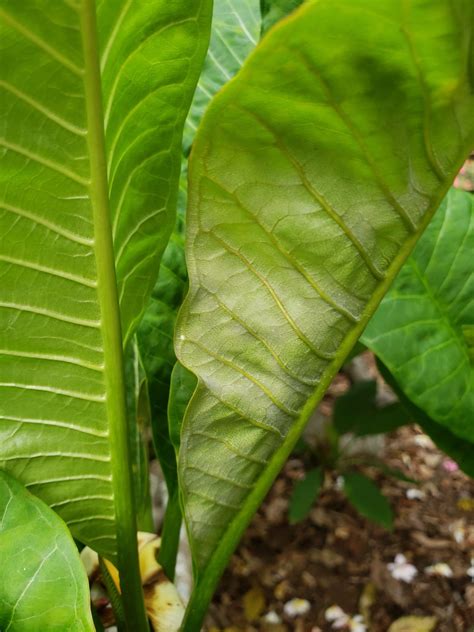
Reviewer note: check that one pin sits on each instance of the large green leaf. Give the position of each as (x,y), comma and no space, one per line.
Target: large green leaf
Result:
(43,584)
(235,33)
(62,403)
(235,29)
(419,330)
(312,176)
(459,449)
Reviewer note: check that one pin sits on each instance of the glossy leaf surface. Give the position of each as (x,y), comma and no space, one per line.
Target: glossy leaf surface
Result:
(419,330)
(312,176)
(43,585)
(459,449)
(61,383)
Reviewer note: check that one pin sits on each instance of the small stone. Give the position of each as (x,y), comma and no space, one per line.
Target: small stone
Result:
(470,570)
(272,617)
(440,569)
(401,570)
(334,613)
(296,607)
(423,441)
(415,494)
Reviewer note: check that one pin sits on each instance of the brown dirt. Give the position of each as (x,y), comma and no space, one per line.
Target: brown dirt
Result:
(337,557)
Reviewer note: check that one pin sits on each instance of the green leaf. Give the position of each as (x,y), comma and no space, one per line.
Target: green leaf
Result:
(43,584)
(235,28)
(312,176)
(368,499)
(183,384)
(62,401)
(139,416)
(459,449)
(235,33)
(356,350)
(304,495)
(274,10)
(356,411)
(155,338)
(421,329)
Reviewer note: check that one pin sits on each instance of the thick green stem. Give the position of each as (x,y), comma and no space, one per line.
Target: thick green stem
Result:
(128,566)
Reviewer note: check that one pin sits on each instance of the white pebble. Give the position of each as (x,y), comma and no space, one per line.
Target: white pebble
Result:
(296,607)
(415,494)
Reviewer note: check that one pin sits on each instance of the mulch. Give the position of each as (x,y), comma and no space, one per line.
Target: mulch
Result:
(336,557)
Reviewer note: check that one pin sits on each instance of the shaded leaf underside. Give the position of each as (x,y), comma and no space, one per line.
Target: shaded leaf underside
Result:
(312,176)
(234,33)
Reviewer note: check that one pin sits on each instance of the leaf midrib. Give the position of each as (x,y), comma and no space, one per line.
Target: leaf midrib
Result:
(110,324)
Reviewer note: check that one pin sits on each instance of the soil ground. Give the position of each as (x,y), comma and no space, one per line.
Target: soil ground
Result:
(336,557)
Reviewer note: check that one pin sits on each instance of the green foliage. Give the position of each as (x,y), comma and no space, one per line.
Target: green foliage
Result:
(313,174)
(274,10)
(235,30)
(183,384)
(139,415)
(305,494)
(356,411)
(43,585)
(155,339)
(60,363)
(287,260)
(95,99)
(366,497)
(459,449)
(421,329)
(235,33)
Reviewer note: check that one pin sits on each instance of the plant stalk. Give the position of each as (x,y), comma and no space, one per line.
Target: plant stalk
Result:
(125,514)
